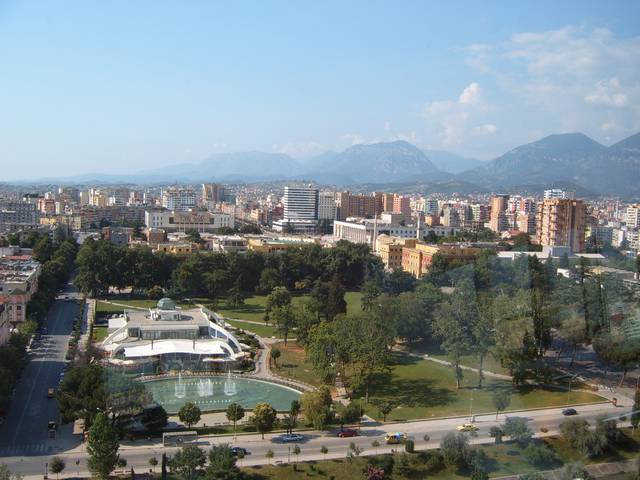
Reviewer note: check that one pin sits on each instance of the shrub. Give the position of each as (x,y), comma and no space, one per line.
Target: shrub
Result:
(409,446)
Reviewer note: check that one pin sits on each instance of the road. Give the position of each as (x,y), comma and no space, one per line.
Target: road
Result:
(24,431)
(138,455)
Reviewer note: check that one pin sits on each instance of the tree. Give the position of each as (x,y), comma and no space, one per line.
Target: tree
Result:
(222,464)
(501,399)
(296,451)
(56,465)
(375,444)
(235,412)
(192,235)
(284,320)
(517,429)
(275,354)
(278,298)
(190,414)
(316,407)
(370,292)
(153,463)
(188,462)
(236,297)
(455,450)
(573,471)
(264,417)
(385,409)
(294,409)
(539,455)
(453,324)
(102,447)
(154,418)
(269,455)
(6,474)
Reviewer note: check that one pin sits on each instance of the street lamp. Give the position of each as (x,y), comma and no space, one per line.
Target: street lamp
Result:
(471,405)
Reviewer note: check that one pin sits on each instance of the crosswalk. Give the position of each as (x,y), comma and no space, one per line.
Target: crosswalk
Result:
(25,449)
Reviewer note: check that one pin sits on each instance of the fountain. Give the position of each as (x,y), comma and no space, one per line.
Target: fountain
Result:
(180,390)
(229,385)
(205,387)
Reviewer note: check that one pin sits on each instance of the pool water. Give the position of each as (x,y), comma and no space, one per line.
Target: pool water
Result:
(217,392)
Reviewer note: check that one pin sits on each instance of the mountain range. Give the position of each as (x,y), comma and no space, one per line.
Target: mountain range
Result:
(571,160)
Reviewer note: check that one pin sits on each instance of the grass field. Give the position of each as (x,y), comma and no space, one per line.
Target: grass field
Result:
(106,308)
(423,389)
(254,306)
(99,333)
(260,330)
(502,460)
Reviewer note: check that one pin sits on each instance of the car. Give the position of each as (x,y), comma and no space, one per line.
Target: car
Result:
(395,438)
(52,425)
(239,451)
(51,392)
(290,437)
(567,412)
(467,427)
(44,330)
(347,432)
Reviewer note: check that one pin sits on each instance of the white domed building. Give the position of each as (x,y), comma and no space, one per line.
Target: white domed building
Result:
(169,338)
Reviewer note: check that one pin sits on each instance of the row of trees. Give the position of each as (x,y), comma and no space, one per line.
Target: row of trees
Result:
(102,265)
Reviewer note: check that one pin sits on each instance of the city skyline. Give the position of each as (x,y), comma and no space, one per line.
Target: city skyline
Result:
(87,92)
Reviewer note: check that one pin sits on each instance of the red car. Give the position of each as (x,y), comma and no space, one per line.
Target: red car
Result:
(348,432)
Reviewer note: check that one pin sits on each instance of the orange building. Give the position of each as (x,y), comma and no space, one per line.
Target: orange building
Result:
(561,222)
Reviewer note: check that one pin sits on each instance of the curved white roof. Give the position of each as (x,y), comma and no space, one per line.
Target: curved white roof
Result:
(162,347)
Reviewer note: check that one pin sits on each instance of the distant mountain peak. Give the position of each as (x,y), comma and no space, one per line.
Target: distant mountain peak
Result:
(629,143)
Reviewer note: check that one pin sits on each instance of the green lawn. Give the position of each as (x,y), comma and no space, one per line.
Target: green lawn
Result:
(433,350)
(292,364)
(105,308)
(100,332)
(423,389)
(260,330)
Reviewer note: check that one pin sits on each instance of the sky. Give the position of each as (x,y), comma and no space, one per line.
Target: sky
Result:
(121,86)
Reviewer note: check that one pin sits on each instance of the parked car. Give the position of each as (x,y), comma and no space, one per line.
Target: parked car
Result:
(51,392)
(395,438)
(289,437)
(467,427)
(347,432)
(567,412)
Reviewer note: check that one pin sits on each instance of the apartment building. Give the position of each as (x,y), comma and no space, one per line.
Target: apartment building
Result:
(180,221)
(327,207)
(18,282)
(390,250)
(632,217)
(300,210)
(349,205)
(498,221)
(561,222)
(178,198)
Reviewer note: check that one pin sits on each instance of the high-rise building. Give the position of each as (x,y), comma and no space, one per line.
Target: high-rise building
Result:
(348,205)
(499,222)
(212,192)
(387,202)
(431,206)
(326,206)
(300,210)
(633,216)
(178,198)
(402,204)
(561,222)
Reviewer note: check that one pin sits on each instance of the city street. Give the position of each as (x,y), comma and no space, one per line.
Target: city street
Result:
(24,431)
(138,455)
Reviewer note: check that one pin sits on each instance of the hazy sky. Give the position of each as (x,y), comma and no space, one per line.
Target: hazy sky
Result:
(116,86)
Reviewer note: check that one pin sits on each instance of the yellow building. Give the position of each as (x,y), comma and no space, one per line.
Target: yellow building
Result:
(417,260)
(175,248)
(265,245)
(390,250)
